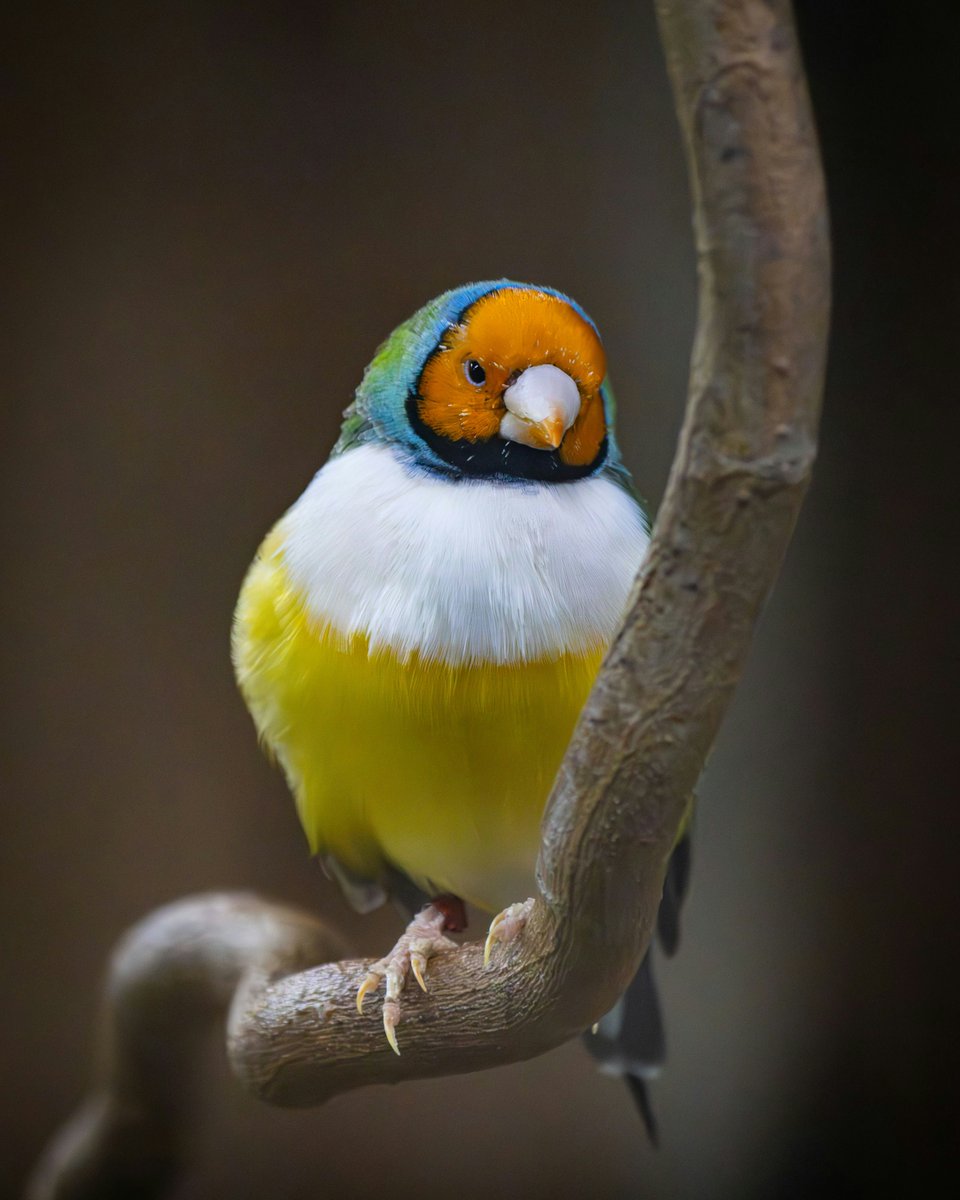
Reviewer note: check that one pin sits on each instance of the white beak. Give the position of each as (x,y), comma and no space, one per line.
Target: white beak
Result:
(541,407)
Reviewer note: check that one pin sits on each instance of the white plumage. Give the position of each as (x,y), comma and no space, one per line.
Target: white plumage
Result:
(467,571)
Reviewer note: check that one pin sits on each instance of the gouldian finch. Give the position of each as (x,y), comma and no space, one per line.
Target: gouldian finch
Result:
(419,632)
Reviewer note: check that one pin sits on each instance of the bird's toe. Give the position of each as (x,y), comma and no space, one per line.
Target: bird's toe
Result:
(507,926)
(422,940)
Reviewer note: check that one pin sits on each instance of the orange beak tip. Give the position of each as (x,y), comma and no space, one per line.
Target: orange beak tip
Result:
(549,433)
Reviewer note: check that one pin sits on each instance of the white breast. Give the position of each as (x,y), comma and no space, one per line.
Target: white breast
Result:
(462,571)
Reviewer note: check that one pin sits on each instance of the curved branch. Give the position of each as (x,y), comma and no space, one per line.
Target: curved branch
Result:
(743,463)
(171,978)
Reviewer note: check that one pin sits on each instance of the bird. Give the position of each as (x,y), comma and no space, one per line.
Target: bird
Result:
(418,633)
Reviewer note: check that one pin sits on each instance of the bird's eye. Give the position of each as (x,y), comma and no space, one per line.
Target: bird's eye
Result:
(475,372)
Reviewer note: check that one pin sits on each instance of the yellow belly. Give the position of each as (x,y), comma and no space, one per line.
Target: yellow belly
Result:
(441,771)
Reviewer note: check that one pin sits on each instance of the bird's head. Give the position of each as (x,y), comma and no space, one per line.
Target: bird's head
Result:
(496,379)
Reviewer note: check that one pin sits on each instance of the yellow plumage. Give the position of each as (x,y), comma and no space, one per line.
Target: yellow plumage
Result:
(439,770)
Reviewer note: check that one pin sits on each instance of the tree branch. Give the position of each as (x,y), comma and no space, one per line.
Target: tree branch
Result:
(742,466)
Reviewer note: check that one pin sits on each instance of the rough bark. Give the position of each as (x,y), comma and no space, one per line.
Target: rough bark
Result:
(742,466)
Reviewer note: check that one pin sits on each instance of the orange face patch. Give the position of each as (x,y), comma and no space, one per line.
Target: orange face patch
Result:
(503,333)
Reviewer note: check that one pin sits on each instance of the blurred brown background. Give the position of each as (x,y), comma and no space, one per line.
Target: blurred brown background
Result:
(214,214)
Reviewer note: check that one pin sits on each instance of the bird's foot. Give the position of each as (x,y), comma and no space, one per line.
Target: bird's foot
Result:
(507,926)
(421,941)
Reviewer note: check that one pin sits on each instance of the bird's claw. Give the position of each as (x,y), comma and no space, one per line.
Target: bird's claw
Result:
(370,984)
(391,1014)
(421,941)
(506,926)
(418,964)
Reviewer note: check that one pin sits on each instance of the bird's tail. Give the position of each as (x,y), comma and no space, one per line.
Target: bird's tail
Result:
(629,1040)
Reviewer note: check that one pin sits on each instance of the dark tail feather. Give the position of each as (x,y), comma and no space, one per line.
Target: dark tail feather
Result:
(630,1039)
(674,891)
(641,1096)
